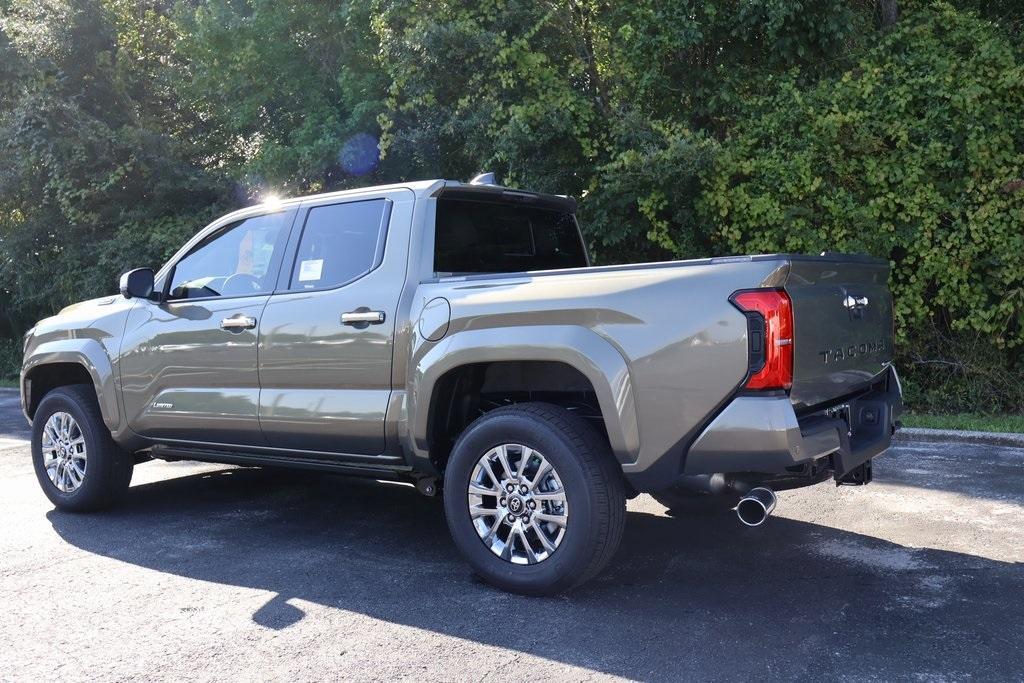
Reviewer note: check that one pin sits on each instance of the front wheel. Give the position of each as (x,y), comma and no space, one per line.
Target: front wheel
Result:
(78,465)
(534,499)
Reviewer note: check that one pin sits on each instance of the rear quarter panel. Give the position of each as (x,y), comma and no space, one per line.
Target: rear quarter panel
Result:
(681,345)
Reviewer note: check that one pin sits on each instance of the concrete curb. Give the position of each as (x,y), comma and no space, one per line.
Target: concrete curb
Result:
(956,436)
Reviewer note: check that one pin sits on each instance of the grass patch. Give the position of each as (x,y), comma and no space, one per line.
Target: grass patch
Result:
(8,383)
(966,421)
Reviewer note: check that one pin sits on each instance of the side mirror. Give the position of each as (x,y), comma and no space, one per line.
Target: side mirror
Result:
(137,283)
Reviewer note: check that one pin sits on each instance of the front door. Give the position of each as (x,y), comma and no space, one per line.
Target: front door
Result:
(327,334)
(188,364)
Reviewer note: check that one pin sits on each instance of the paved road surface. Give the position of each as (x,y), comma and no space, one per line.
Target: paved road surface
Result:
(14,430)
(217,573)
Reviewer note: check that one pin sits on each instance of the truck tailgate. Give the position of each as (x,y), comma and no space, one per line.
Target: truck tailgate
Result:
(843,325)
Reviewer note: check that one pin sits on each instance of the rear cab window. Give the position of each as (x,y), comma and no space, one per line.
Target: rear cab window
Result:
(490,233)
(339,243)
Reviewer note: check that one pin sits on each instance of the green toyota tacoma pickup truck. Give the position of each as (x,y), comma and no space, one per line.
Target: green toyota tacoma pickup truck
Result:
(455,336)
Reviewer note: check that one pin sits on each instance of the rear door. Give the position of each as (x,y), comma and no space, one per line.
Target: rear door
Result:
(843,325)
(327,335)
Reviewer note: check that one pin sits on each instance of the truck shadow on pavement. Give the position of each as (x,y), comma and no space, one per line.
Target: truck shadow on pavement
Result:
(683,597)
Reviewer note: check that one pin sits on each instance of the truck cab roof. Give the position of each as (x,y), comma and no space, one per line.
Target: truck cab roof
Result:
(433,188)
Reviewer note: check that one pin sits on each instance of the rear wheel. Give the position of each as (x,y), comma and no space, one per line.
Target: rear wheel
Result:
(534,499)
(78,465)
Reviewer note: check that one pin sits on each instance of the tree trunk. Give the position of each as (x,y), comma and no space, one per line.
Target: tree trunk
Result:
(888,12)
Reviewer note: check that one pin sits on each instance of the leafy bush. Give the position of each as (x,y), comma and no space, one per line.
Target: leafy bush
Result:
(640,204)
(86,154)
(951,372)
(915,155)
(616,103)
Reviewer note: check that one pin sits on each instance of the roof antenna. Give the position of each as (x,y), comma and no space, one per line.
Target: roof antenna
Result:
(483,179)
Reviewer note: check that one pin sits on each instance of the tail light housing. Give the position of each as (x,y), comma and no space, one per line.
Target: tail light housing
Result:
(769,337)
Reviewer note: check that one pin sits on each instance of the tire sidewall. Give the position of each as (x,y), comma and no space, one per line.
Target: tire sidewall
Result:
(560,570)
(61,401)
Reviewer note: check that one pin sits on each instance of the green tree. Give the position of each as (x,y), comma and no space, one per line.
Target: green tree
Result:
(288,93)
(616,102)
(87,186)
(913,155)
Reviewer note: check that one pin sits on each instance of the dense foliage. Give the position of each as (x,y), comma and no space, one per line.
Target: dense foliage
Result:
(915,154)
(90,172)
(686,128)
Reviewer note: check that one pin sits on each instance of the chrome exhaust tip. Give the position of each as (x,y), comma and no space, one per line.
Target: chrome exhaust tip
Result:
(754,508)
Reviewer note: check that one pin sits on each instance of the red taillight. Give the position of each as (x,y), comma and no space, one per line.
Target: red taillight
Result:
(769,311)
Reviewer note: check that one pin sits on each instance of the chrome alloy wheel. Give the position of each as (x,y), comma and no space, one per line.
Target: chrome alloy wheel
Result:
(64,452)
(518,504)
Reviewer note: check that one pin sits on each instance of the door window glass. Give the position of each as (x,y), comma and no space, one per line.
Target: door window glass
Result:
(340,242)
(236,261)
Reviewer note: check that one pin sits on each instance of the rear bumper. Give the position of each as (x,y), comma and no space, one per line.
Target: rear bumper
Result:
(762,434)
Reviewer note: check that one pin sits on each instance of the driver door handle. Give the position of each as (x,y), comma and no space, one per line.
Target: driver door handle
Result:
(364,316)
(238,322)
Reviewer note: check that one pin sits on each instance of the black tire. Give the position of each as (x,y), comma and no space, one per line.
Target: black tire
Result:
(683,502)
(108,468)
(593,486)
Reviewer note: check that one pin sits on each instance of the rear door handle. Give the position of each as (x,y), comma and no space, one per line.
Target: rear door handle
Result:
(363,317)
(238,322)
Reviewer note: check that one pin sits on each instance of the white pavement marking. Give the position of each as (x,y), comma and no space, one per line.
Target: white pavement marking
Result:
(12,443)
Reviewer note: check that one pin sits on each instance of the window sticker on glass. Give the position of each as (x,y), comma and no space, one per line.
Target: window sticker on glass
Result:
(311,270)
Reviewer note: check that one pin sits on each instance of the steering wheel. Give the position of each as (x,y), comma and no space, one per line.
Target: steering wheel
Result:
(240,283)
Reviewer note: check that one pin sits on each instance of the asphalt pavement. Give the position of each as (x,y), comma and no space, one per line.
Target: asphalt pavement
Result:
(218,573)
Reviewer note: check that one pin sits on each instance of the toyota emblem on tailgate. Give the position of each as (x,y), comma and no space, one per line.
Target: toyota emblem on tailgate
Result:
(855,302)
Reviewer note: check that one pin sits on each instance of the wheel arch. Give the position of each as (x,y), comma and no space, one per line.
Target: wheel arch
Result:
(70,361)
(572,354)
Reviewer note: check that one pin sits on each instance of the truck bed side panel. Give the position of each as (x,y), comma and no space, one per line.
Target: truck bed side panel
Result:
(684,344)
